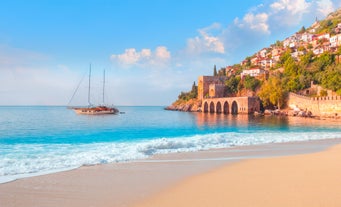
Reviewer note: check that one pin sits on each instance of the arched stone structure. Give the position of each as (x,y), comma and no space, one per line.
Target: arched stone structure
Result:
(226,108)
(218,107)
(234,108)
(212,107)
(205,107)
(234,105)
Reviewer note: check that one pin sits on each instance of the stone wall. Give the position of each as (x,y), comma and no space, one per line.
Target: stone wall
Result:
(204,84)
(319,106)
(231,105)
(216,90)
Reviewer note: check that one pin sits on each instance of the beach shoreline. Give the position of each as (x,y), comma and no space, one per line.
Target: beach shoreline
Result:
(126,184)
(296,180)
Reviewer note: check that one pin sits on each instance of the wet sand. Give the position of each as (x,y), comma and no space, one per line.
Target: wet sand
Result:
(165,177)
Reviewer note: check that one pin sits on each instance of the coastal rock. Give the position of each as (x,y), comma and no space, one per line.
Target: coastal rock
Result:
(268,112)
(192,105)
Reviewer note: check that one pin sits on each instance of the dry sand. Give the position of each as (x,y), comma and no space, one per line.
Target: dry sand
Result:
(302,180)
(287,180)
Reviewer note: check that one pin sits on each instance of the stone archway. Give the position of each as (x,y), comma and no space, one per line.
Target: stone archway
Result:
(205,107)
(234,108)
(212,107)
(218,108)
(226,108)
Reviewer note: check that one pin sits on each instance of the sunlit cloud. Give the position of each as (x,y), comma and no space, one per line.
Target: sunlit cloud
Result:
(291,6)
(205,42)
(145,57)
(254,22)
(325,7)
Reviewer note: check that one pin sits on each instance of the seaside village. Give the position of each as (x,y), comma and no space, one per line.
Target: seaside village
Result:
(313,101)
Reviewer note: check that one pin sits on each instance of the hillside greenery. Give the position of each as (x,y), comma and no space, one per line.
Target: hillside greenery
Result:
(186,96)
(289,74)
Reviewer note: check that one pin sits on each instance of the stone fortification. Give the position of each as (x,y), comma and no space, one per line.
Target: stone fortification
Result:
(329,106)
(211,86)
(231,105)
(211,94)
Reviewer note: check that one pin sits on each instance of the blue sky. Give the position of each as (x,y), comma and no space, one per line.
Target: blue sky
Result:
(152,50)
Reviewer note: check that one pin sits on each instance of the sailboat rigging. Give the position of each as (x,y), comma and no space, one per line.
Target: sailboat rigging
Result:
(96,110)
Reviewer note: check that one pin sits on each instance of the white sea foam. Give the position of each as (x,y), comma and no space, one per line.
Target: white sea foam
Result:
(17,161)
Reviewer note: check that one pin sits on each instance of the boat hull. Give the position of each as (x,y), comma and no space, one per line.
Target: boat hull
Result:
(96,111)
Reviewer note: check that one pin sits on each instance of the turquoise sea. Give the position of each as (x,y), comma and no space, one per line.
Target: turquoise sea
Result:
(37,140)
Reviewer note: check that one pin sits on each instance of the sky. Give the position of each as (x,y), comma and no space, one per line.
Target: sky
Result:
(151,50)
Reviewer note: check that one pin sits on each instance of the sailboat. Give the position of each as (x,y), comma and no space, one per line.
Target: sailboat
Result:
(96,110)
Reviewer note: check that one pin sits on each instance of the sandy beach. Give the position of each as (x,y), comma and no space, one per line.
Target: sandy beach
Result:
(239,176)
(300,180)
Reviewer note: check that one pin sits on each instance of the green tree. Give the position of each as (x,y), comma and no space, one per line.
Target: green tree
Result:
(290,66)
(301,48)
(251,83)
(306,59)
(293,84)
(283,58)
(194,91)
(302,30)
(189,95)
(331,78)
(248,61)
(231,85)
(272,93)
(310,46)
(278,43)
(324,60)
(215,73)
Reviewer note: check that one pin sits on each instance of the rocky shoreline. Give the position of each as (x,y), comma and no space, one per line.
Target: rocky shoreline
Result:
(192,105)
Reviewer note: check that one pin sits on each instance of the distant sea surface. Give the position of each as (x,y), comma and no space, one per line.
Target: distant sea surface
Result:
(38,140)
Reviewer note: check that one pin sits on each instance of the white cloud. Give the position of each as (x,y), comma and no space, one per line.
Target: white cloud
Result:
(255,22)
(205,42)
(130,56)
(162,54)
(291,6)
(325,7)
(143,58)
(287,13)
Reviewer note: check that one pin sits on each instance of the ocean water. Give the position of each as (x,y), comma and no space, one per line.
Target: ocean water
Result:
(37,140)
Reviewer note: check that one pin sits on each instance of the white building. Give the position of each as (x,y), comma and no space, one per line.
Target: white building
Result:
(333,41)
(254,72)
(307,37)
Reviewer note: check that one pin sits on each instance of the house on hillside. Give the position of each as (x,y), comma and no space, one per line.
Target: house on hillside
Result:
(292,44)
(307,37)
(255,72)
(286,42)
(324,36)
(229,71)
(266,63)
(262,53)
(255,61)
(333,41)
(318,50)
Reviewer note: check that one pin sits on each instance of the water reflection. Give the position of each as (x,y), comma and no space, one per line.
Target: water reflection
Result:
(208,120)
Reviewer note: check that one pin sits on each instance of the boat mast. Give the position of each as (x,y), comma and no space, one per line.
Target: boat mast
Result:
(89,86)
(103,85)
